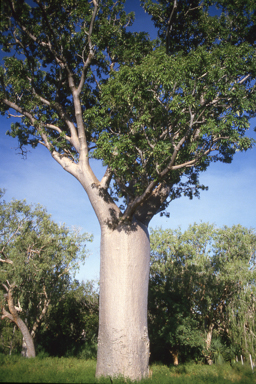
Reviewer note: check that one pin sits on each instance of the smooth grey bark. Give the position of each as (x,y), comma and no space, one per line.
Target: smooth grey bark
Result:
(123,343)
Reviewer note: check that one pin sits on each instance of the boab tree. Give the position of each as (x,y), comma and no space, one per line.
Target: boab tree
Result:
(155,114)
(37,260)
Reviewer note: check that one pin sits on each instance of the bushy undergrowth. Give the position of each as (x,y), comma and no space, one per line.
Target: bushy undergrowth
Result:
(67,370)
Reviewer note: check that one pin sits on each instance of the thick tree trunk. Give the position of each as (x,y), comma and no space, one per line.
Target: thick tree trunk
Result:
(123,344)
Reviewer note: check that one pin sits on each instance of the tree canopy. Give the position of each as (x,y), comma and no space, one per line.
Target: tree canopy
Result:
(70,326)
(155,112)
(202,284)
(38,259)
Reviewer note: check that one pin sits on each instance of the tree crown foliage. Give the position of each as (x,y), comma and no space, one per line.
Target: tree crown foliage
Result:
(38,257)
(70,327)
(201,279)
(156,113)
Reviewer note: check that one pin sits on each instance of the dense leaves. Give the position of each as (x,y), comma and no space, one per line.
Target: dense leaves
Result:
(185,25)
(174,113)
(156,113)
(70,327)
(54,44)
(202,285)
(38,259)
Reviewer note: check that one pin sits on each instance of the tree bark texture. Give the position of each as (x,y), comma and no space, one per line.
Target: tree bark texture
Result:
(123,343)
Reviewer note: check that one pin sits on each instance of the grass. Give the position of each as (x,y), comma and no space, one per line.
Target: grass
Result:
(72,370)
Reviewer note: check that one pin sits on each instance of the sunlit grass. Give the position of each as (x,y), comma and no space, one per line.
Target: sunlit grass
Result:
(73,370)
(47,370)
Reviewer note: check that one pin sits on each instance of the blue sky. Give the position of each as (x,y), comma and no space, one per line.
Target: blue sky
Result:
(39,179)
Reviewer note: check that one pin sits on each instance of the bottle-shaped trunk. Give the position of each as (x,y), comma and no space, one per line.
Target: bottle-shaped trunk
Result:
(123,344)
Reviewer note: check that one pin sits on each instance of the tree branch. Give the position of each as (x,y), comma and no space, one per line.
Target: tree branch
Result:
(151,188)
(91,50)
(42,314)
(58,108)
(12,308)
(63,160)
(7,314)
(169,26)
(6,259)
(16,18)
(105,181)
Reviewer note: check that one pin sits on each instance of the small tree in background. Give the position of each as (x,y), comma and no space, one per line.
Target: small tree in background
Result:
(179,264)
(70,327)
(10,337)
(202,281)
(235,265)
(37,260)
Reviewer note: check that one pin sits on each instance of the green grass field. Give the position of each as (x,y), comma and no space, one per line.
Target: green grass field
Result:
(73,370)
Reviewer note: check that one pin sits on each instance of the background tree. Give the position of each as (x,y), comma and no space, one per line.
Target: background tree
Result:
(10,338)
(202,282)
(234,261)
(232,23)
(83,86)
(70,327)
(37,257)
(179,271)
